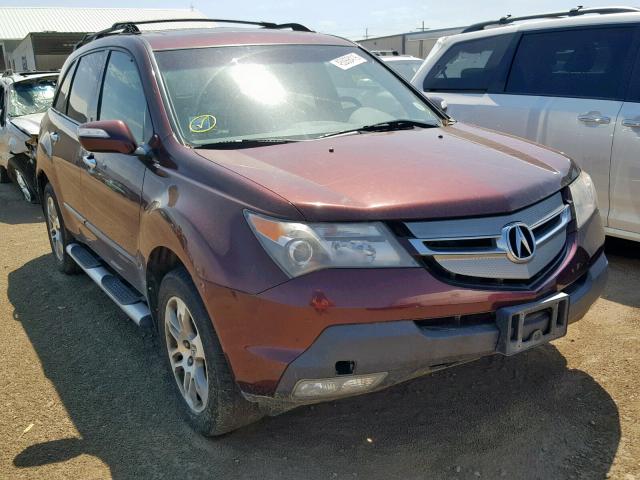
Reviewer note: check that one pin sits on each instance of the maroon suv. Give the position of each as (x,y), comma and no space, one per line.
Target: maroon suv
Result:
(298,222)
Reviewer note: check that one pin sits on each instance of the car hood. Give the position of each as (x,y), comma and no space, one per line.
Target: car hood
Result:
(29,124)
(452,171)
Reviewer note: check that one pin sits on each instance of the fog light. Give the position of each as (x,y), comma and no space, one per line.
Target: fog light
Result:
(338,386)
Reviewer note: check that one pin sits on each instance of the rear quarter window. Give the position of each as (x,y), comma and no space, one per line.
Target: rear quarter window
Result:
(584,63)
(471,65)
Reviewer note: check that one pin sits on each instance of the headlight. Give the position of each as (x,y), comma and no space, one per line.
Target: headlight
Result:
(584,198)
(300,248)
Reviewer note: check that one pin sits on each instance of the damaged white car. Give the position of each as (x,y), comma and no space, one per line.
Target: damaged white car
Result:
(24,98)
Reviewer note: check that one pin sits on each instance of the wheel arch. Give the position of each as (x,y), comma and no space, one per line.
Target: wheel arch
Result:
(41,182)
(160,262)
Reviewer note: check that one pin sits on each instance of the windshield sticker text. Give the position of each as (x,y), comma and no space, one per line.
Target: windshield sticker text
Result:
(348,61)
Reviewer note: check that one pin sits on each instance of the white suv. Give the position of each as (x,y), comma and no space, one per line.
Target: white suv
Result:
(568,80)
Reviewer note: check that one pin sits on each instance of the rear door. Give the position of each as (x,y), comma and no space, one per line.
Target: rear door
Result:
(74,104)
(112,185)
(564,89)
(624,212)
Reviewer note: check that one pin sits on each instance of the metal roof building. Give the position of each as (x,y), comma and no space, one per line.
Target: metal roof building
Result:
(417,44)
(19,26)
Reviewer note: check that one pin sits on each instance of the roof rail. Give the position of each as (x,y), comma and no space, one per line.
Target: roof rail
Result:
(132,27)
(574,12)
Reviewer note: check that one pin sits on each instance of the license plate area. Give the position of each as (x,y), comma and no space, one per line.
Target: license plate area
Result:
(526,326)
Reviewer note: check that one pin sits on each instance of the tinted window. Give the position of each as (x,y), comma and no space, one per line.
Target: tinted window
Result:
(122,95)
(471,65)
(406,68)
(85,86)
(63,93)
(572,63)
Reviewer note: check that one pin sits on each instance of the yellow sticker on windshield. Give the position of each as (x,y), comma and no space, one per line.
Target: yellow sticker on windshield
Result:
(202,124)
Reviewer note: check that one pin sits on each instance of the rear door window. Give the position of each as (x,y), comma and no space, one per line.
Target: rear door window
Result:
(123,97)
(584,63)
(471,65)
(63,93)
(85,86)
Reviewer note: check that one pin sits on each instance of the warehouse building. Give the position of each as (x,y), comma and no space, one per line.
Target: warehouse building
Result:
(417,44)
(41,38)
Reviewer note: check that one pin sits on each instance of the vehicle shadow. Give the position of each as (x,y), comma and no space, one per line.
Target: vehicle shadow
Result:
(624,263)
(14,209)
(527,416)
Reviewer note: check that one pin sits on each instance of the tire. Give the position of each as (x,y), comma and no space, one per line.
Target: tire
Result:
(4,175)
(58,235)
(214,406)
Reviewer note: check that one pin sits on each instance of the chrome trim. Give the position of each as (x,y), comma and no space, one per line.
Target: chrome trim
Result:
(565,218)
(491,259)
(422,249)
(138,312)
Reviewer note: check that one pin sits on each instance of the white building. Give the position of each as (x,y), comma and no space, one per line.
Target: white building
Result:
(417,44)
(41,38)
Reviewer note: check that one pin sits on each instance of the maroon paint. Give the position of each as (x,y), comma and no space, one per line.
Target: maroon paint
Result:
(192,203)
(120,137)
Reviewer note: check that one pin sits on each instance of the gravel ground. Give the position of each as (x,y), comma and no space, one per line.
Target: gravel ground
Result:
(83,395)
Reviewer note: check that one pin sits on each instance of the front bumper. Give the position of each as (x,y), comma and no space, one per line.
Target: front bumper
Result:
(300,328)
(408,349)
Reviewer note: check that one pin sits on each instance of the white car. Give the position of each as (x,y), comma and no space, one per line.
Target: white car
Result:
(405,65)
(568,80)
(24,97)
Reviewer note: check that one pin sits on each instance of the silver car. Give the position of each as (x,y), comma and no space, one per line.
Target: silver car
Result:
(24,97)
(568,80)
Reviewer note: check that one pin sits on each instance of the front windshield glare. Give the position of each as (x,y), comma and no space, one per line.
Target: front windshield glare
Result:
(31,97)
(295,92)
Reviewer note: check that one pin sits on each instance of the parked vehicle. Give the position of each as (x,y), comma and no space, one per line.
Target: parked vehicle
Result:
(24,97)
(566,80)
(405,65)
(299,223)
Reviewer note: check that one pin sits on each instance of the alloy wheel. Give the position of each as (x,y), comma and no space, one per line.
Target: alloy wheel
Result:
(55,233)
(23,186)
(186,354)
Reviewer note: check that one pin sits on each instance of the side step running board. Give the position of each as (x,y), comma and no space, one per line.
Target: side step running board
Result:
(126,298)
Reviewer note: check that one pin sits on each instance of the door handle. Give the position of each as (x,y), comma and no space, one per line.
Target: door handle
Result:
(54,137)
(631,122)
(595,118)
(89,161)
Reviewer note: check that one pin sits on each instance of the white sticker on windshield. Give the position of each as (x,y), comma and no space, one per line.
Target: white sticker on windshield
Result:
(348,61)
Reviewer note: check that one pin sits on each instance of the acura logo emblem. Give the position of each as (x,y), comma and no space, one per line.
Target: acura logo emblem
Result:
(519,242)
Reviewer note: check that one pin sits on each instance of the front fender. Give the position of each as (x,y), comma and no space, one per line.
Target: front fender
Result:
(207,230)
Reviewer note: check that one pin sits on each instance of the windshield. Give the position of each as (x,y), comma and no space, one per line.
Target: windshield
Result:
(29,97)
(295,92)
(406,68)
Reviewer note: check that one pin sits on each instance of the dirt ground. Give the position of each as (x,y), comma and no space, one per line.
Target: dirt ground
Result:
(83,394)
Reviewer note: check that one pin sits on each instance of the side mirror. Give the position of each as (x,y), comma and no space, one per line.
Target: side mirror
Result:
(440,102)
(107,136)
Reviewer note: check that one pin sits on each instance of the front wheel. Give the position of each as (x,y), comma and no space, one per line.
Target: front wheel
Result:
(198,367)
(59,237)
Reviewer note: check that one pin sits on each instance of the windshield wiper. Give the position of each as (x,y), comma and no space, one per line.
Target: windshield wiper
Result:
(244,143)
(384,127)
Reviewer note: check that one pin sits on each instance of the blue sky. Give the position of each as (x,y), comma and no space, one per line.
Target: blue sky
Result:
(349,18)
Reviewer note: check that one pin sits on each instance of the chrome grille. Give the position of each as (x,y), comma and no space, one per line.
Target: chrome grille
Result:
(475,247)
